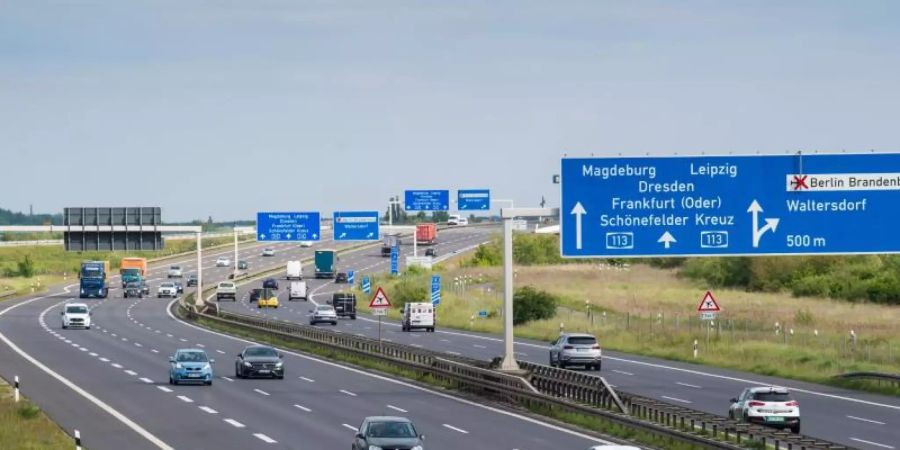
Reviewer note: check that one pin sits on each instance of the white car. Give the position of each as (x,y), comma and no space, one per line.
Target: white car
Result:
(223,261)
(306,243)
(167,289)
(462,221)
(268,251)
(175,272)
(76,315)
(323,313)
(770,406)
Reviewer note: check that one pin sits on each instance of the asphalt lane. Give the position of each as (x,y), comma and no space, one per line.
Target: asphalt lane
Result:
(122,363)
(852,418)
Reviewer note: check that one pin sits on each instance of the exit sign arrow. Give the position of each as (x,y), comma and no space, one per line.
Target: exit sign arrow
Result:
(579,211)
(667,239)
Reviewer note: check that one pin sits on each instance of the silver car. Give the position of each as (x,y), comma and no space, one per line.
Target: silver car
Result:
(323,313)
(575,349)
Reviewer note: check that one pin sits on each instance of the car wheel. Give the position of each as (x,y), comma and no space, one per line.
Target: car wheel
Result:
(334,323)
(175,381)
(280,377)
(65,327)
(171,381)
(87,328)
(431,329)
(353,317)
(209,383)
(552,364)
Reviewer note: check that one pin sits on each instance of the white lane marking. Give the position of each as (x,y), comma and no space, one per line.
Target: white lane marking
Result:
(201,346)
(82,349)
(478,346)
(185,399)
(259,391)
(872,443)
(265,438)
(453,353)
(689,385)
(348,426)
(182,339)
(407,385)
(154,350)
(675,399)
(623,372)
(302,408)
(124,339)
(397,409)
(92,354)
(67,341)
(146,380)
(348,393)
(164,389)
(445,340)
(131,372)
(168,335)
(137,344)
(116,365)
(456,429)
(234,423)
(208,409)
(307,379)
(220,352)
(104,359)
(227,379)
(865,420)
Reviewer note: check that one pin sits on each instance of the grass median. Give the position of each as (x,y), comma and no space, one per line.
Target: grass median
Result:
(23,426)
(649,311)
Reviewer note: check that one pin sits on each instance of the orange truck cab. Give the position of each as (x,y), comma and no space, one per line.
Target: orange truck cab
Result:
(132,270)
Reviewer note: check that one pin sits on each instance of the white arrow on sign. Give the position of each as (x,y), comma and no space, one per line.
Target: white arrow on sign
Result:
(343,235)
(484,206)
(579,211)
(667,239)
(370,235)
(263,236)
(771,224)
(315,236)
(289,235)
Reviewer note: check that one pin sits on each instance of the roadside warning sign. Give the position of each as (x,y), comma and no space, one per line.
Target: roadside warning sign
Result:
(708,304)
(380,300)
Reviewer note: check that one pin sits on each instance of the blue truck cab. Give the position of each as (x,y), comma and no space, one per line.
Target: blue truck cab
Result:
(92,281)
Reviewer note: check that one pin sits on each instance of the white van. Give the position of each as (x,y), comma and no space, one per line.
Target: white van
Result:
(298,290)
(294,270)
(418,315)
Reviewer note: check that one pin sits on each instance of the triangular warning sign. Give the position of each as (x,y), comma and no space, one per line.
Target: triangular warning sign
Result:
(380,300)
(708,304)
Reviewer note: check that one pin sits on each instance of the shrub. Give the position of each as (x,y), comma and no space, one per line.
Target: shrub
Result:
(28,411)
(487,255)
(409,290)
(26,267)
(531,304)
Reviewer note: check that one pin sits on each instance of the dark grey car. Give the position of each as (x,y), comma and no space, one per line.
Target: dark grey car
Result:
(388,432)
(259,361)
(134,290)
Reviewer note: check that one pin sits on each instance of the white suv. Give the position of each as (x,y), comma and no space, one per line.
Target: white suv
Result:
(76,315)
(175,272)
(769,406)
(223,261)
(167,289)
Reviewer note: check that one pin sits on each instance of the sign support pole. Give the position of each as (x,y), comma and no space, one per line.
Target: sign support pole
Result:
(198,300)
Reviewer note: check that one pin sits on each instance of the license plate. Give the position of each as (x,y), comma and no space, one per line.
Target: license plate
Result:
(775,419)
(264,371)
(583,349)
(194,375)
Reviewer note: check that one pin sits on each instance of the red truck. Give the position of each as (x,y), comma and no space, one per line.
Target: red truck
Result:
(426,234)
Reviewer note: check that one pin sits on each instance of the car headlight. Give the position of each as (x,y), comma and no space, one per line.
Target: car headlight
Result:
(207,367)
(418,447)
(82,291)
(374,447)
(178,365)
(247,364)
(279,364)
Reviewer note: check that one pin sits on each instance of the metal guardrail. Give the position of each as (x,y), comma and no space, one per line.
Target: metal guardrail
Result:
(31,243)
(539,386)
(886,378)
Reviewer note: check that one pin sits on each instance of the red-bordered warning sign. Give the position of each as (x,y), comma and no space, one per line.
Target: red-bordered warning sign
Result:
(708,304)
(380,300)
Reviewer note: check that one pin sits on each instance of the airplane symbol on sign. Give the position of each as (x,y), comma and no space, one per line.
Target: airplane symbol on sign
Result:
(799,182)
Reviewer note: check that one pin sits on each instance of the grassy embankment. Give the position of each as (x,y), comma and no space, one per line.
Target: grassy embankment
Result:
(52,264)
(651,311)
(24,426)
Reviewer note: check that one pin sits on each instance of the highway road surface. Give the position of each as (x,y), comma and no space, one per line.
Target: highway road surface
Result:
(855,419)
(110,383)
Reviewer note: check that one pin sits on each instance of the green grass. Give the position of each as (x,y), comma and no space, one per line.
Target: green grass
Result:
(24,426)
(651,312)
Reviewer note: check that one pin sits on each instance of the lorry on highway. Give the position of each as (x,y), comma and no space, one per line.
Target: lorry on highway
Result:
(325,261)
(132,270)
(418,315)
(390,240)
(294,270)
(344,304)
(426,233)
(92,279)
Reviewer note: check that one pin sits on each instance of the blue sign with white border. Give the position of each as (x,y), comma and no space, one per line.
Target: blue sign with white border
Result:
(473,199)
(366,285)
(355,225)
(483,314)
(395,260)
(351,277)
(432,200)
(287,226)
(435,290)
(730,205)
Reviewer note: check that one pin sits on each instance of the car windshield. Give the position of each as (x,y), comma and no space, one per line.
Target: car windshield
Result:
(772,396)
(226,285)
(167,285)
(175,268)
(77,309)
(190,357)
(582,340)
(391,430)
(260,351)
(324,308)
(133,285)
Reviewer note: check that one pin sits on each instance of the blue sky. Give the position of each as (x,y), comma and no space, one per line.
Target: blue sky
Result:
(225,108)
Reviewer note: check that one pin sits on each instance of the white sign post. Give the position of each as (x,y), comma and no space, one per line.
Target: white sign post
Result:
(379,306)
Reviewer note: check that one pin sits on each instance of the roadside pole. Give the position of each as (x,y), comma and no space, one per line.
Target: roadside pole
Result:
(198,300)
(235,251)
(508,214)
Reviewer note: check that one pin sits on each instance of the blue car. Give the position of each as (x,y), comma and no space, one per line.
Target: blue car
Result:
(190,365)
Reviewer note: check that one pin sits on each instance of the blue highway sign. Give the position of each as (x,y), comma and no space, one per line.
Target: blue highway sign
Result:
(483,314)
(435,290)
(395,260)
(730,205)
(473,199)
(351,277)
(287,226)
(355,225)
(434,200)
(366,285)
